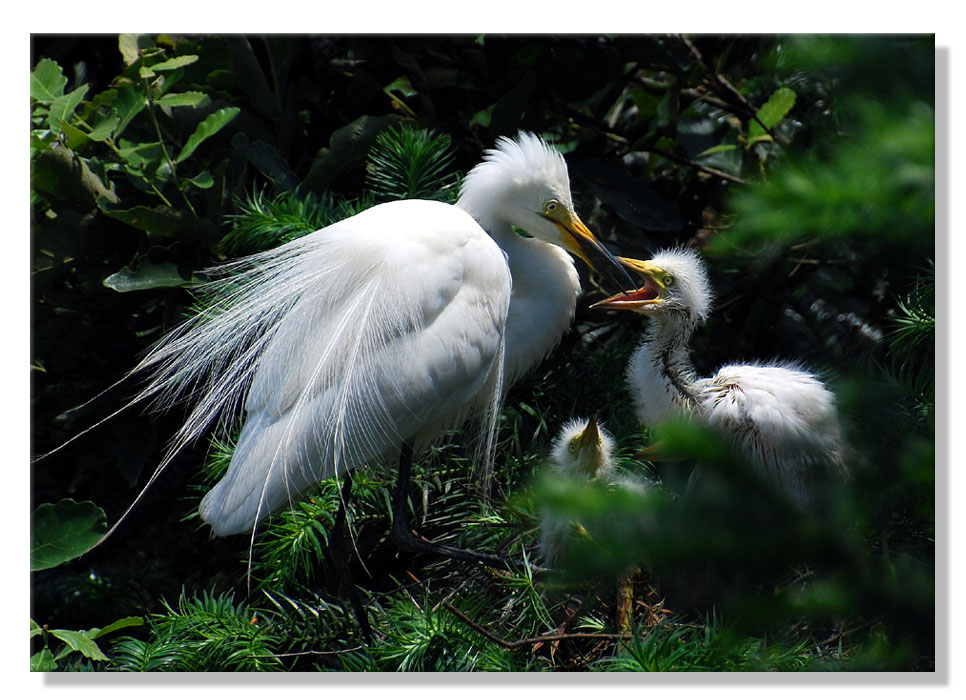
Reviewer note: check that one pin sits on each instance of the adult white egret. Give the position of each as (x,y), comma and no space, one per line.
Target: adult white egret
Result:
(363,340)
(780,417)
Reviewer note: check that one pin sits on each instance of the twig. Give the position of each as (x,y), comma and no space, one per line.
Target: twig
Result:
(695,164)
(729,89)
(532,640)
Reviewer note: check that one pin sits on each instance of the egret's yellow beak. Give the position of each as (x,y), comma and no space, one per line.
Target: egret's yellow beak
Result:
(590,437)
(652,292)
(579,240)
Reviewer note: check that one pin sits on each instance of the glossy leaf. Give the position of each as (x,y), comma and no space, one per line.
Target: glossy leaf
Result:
(63,531)
(210,126)
(80,641)
(148,275)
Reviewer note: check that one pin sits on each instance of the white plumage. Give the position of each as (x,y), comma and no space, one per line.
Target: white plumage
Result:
(583,449)
(780,417)
(383,329)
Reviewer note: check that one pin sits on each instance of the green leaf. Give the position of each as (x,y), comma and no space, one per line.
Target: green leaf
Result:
(773,111)
(43,661)
(161,220)
(35,629)
(62,108)
(148,275)
(176,62)
(82,642)
(63,531)
(184,99)
(128,101)
(75,137)
(271,164)
(130,46)
(210,126)
(202,180)
(104,127)
(124,622)
(47,81)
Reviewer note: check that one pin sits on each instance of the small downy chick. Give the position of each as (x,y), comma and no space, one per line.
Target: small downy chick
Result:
(581,450)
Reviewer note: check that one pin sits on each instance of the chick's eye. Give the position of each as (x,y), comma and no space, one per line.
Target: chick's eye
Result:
(668,280)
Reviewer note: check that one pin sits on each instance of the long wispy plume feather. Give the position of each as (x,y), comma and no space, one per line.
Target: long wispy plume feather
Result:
(316,343)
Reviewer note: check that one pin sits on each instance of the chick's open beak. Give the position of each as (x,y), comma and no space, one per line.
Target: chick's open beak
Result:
(590,437)
(651,292)
(584,244)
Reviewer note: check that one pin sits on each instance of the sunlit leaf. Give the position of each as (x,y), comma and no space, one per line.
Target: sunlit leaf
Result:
(773,111)
(47,81)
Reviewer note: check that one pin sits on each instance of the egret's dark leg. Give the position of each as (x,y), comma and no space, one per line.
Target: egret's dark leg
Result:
(409,540)
(339,550)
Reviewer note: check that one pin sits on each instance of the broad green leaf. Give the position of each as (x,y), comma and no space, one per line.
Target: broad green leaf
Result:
(128,101)
(184,99)
(202,180)
(146,72)
(43,661)
(209,126)
(773,111)
(271,164)
(148,275)
(140,154)
(62,108)
(35,629)
(80,641)
(96,632)
(104,127)
(130,46)
(47,81)
(176,62)
(161,220)
(75,137)
(62,531)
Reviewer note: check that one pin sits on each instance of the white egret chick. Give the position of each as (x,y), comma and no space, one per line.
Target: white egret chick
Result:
(582,450)
(779,417)
(363,340)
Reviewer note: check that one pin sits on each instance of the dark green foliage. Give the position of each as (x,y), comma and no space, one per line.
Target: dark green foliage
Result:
(801,166)
(210,633)
(407,163)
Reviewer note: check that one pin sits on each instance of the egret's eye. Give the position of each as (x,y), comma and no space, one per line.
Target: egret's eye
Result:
(668,280)
(550,206)
(574,446)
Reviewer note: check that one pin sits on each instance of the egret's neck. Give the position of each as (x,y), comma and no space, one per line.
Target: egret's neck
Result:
(661,371)
(542,300)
